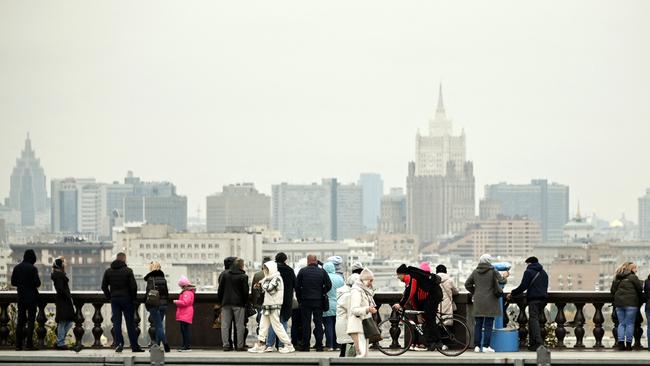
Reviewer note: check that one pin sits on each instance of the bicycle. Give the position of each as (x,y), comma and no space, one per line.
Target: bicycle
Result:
(398,330)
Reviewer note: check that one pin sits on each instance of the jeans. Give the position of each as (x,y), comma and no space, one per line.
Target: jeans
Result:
(62,329)
(535,308)
(26,316)
(626,319)
(157,315)
(185,334)
(123,306)
(272,338)
(330,331)
(309,309)
(483,330)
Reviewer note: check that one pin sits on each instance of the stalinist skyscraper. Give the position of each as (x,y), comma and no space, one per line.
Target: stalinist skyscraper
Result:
(440,184)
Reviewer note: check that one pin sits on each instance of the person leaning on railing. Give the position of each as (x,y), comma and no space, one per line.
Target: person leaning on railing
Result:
(25,278)
(628,294)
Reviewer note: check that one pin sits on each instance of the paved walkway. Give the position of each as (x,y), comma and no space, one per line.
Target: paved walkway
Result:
(212,357)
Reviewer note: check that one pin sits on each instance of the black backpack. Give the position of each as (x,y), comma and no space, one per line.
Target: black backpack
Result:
(427,281)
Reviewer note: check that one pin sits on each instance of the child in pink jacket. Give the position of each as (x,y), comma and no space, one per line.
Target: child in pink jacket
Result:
(185,310)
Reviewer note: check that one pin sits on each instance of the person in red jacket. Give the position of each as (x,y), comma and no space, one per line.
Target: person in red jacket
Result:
(411,300)
(185,311)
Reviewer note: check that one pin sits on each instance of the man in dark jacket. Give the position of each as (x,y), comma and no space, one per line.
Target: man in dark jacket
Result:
(232,295)
(312,285)
(227,263)
(535,284)
(120,288)
(25,278)
(289,281)
(64,307)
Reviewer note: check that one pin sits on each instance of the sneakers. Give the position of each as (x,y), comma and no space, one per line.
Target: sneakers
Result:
(184,350)
(287,349)
(420,348)
(488,350)
(477,349)
(268,349)
(119,348)
(257,348)
(444,347)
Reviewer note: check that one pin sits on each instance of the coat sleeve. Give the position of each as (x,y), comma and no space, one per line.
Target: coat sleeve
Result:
(299,286)
(523,286)
(469,284)
(355,304)
(454,289)
(220,289)
(183,300)
(327,282)
(133,286)
(502,280)
(105,289)
(646,290)
(245,289)
(639,289)
(614,286)
(37,278)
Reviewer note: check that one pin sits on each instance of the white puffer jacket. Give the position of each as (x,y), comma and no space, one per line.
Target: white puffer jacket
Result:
(273,287)
(449,289)
(359,304)
(342,314)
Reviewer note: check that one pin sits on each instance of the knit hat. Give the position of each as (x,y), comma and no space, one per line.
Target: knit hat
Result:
(402,269)
(532,260)
(356,266)
(183,281)
(441,268)
(366,275)
(425,266)
(280,257)
(58,263)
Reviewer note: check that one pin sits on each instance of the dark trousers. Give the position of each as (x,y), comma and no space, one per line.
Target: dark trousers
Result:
(26,316)
(158,319)
(296,327)
(535,309)
(308,310)
(330,331)
(185,334)
(431,331)
(123,306)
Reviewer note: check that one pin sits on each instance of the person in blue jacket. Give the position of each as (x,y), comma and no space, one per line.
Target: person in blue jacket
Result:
(329,317)
(535,284)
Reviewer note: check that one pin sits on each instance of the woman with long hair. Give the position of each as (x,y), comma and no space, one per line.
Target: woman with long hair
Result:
(628,294)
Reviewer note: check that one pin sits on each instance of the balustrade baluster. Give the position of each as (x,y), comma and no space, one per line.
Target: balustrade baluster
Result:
(615,328)
(98,319)
(579,322)
(599,332)
(522,320)
(152,329)
(395,331)
(560,320)
(78,330)
(4,324)
(137,319)
(542,324)
(41,332)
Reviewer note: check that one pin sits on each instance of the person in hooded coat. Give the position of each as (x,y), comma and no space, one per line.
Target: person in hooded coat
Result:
(535,284)
(484,285)
(449,290)
(25,278)
(155,279)
(289,282)
(232,294)
(628,294)
(329,317)
(185,311)
(64,316)
(362,306)
(343,313)
(227,263)
(121,290)
(273,287)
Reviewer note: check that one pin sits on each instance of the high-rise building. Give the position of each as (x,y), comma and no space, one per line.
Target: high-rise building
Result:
(112,204)
(327,211)
(238,206)
(28,193)
(440,184)
(393,212)
(170,210)
(644,216)
(66,203)
(548,204)
(373,188)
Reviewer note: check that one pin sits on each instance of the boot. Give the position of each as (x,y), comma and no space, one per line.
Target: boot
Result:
(620,346)
(628,346)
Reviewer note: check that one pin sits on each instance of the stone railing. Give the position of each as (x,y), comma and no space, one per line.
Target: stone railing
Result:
(205,336)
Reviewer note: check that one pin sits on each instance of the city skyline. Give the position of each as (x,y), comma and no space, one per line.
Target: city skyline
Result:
(567,104)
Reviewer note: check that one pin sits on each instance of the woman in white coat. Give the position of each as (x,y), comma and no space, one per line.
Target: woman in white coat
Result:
(343,312)
(362,306)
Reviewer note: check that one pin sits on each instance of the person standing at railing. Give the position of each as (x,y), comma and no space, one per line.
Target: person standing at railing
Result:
(329,317)
(25,278)
(120,289)
(412,299)
(484,285)
(233,297)
(342,315)
(646,291)
(156,280)
(64,316)
(289,282)
(628,295)
(312,285)
(257,294)
(362,306)
(185,311)
(449,290)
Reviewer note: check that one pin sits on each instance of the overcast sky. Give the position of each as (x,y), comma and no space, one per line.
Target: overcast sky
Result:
(208,93)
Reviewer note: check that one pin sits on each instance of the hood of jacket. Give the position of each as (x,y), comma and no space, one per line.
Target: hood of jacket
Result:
(329,268)
(444,277)
(535,267)
(484,267)
(227,263)
(625,273)
(155,273)
(235,270)
(272,267)
(118,264)
(29,256)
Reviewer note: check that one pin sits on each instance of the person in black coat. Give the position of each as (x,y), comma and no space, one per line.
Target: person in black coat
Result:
(155,279)
(312,285)
(120,288)
(64,307)
(25,278)
(232,294)
(289,281)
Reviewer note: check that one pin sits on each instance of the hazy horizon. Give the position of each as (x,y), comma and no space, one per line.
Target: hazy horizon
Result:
(206,94)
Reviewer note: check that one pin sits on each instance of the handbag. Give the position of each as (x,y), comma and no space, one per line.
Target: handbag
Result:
(153,296)
(325,302)
(250,310)
(371,330)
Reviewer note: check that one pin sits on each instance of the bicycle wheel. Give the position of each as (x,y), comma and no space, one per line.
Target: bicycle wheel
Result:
(397,336)
(455,337)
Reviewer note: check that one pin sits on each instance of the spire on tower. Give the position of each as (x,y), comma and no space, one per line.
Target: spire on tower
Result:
(441,106)
(578,212)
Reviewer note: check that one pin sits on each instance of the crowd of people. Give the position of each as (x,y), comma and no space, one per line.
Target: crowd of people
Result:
(317,298)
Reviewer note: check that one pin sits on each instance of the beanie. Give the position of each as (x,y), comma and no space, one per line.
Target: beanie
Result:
(402,269)
(441,268)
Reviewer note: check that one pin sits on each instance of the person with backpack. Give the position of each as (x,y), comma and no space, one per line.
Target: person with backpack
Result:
(156,302)
(628,294)
(485,286)
(64,316)
(449,290)
(411,300)
(535,284)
